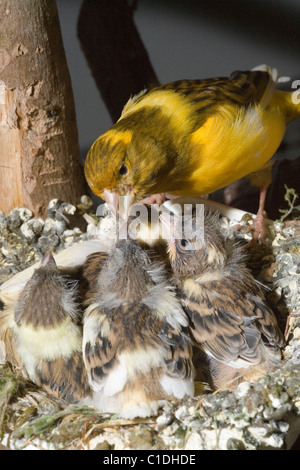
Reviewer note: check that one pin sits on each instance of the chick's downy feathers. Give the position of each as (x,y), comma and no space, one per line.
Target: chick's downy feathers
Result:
(230,320)
(135,346)
(47,332)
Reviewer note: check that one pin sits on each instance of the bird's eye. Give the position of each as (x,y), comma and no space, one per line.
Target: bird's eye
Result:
(123,170)
(184,243)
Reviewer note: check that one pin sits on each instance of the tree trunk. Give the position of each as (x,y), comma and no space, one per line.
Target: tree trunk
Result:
(114,51)
(39,154)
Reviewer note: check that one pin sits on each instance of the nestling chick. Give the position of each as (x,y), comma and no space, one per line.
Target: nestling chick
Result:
(48,333)
(192,137)
(135,347)
(229,317)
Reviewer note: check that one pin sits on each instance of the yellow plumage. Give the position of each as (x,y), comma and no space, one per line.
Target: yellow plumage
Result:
(193,137)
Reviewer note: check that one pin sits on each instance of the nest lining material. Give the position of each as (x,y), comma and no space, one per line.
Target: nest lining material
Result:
(262,415)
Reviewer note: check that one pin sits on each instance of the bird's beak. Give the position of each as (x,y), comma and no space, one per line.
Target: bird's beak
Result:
(168,232)
(119,205)
(48,260)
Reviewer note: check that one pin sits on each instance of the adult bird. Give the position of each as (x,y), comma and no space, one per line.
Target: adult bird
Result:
(192,137)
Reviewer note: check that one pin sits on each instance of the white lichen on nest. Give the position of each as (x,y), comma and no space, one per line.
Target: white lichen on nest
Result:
(25,238)
(262,415)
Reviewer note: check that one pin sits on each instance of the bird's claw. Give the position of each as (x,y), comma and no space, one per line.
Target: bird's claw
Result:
(258,229)
(158,198)
(154,199)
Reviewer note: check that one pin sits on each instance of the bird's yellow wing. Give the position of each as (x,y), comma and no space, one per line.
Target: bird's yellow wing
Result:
(203,97)
(214,131)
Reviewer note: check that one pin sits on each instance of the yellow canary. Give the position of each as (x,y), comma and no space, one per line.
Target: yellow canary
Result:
(192,137)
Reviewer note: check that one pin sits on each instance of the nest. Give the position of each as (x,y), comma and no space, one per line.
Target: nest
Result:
(260,415)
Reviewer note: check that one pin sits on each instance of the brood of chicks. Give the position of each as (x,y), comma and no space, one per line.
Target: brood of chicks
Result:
(122,336)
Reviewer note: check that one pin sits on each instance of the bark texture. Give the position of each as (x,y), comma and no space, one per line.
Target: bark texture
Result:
(39,153)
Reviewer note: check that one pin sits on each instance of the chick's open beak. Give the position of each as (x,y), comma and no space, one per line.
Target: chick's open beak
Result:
(48,260)
(119,205)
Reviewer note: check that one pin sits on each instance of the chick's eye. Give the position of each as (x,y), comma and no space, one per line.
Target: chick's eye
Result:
(184,243)
(123,170)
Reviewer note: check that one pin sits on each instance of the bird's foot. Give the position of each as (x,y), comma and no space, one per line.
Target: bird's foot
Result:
(258,228)
(159,199)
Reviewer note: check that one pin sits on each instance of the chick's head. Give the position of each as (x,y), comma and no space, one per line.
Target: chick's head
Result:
(48,297)
(196,245)
(125,273)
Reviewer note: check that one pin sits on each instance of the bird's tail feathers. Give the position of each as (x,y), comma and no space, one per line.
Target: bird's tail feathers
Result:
(267,68)
(270,89)
(287,100)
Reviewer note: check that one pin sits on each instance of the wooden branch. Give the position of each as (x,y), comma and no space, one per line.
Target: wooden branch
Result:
(39,153)
(114,51)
